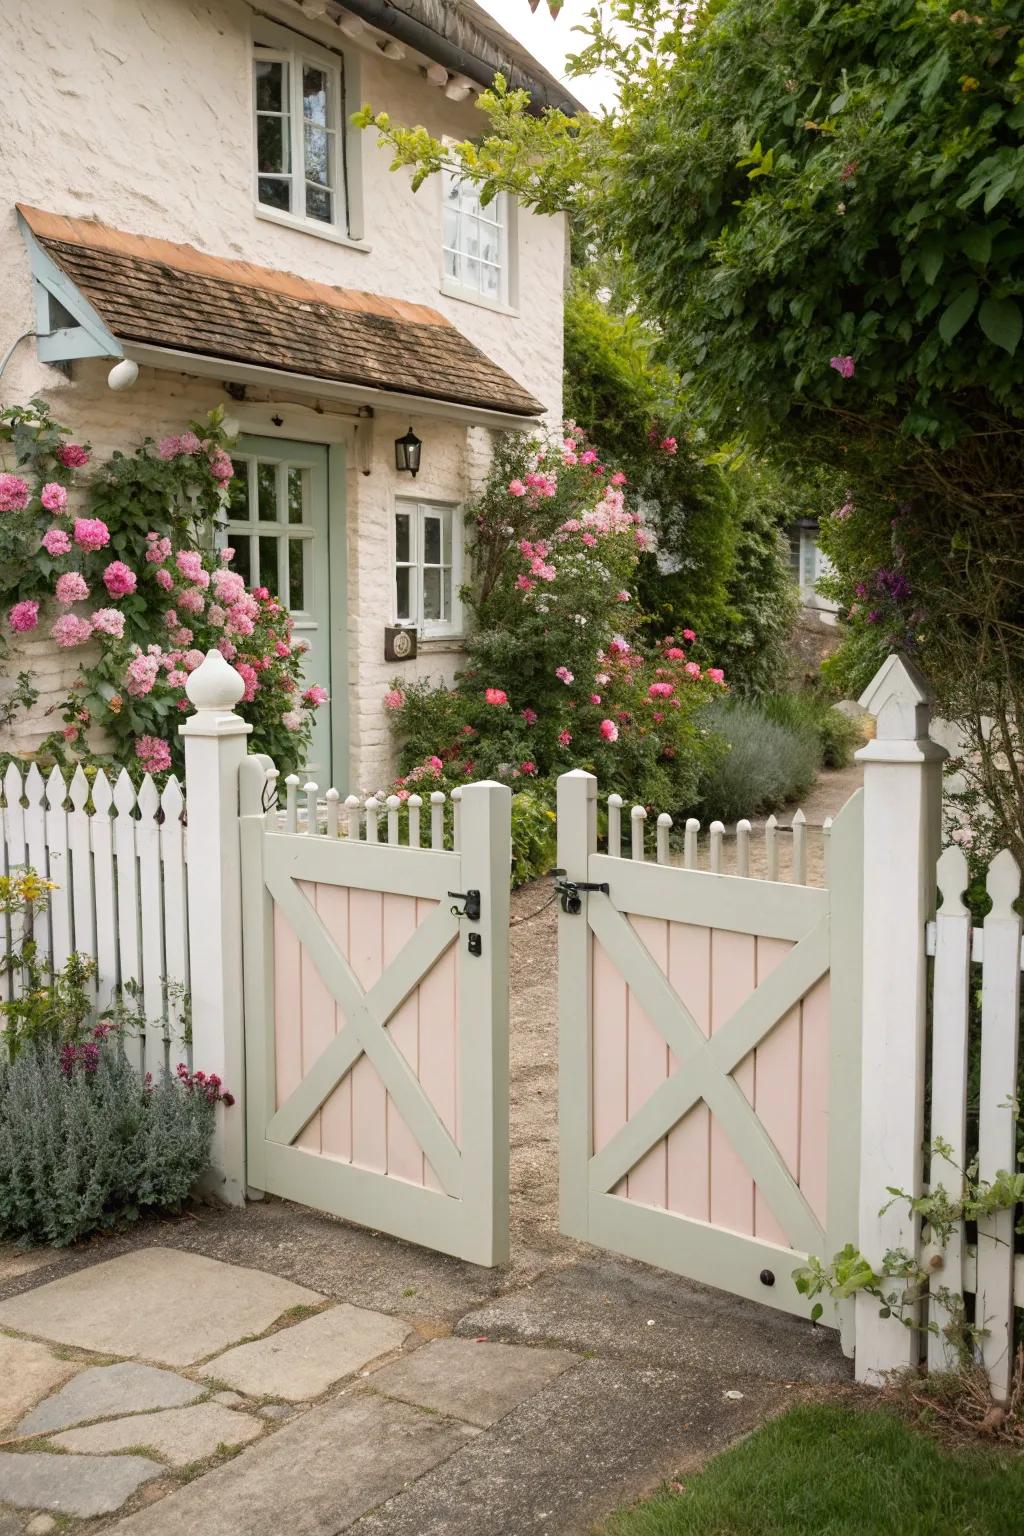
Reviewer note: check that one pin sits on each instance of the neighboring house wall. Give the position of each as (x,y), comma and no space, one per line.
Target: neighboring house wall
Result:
(808,565)
(141,116)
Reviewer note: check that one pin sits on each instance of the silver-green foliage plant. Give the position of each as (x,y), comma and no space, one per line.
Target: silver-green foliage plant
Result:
(86,1144)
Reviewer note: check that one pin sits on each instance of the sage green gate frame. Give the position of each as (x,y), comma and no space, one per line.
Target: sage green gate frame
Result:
(674,985)
(376,1034)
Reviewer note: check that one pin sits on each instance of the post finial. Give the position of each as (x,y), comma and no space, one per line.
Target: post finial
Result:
(214,684)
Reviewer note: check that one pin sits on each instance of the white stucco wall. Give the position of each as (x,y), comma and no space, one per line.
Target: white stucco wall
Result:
(139,114)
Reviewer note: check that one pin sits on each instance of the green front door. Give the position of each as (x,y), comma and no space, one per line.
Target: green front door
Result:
(277,526)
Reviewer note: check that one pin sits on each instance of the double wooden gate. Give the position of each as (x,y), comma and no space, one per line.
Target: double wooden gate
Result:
(376,1020)
(709,1059)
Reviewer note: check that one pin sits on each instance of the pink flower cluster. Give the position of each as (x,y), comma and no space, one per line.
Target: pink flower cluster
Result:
(154,753)
(14,493)
(91,533)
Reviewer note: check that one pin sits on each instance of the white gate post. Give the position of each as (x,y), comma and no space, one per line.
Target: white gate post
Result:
(215,747)
(902,831)
(577,840)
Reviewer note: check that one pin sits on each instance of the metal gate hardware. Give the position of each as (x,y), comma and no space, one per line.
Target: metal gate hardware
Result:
(569,891)
(470,907)
(476,944)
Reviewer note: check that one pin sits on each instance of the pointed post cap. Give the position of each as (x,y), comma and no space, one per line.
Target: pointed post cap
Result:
(214,688)
(900,700)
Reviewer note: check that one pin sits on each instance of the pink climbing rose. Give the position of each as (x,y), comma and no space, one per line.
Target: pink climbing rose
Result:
(71,588)
(56,542)
(53,496)
(315,696)
(24,616)
(609,730)
(91,533)
(715,674)
(844,366)
(516,488)
(14,493)
(564,738)
(221,467)
(154,753)
(496,696)
(119,579)
(108,621)
(689,634)
(669,445)
(73,455)
(529,715)
(564,675)
(70,630)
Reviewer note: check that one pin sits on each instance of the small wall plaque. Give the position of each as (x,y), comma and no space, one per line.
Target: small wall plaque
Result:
(399,644)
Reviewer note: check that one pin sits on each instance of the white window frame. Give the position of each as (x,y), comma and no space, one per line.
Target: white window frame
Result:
(274,44)
(505,220)
(417,510)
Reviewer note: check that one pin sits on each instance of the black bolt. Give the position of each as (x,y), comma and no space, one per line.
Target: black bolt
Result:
(767,1277)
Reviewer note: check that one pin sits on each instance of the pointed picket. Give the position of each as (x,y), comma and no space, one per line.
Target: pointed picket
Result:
(13,859)
(129,946)
(80,845)
(61,920)
(799,849)
(106,909)
(35,850)
(147,842)
(172,858)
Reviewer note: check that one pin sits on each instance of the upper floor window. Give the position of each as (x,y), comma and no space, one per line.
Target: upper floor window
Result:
(298,96)
(428,567)
(476,243)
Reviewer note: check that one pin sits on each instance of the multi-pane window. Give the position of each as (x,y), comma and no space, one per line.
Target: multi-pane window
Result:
(270,529)
(476,241)
(297,92)
(428,561)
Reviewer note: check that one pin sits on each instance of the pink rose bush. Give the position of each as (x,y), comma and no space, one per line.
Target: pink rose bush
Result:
(559,673)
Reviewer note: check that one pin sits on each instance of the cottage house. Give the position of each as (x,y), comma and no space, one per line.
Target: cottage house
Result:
(188,219)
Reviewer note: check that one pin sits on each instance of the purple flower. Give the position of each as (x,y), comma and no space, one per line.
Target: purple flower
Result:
(844,366)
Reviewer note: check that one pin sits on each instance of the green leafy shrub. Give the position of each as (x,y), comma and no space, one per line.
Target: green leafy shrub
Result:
(534,842)
(836,738)
(85,1144)
(762,764)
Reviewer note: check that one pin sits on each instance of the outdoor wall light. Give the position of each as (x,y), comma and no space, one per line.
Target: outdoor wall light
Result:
(407,453)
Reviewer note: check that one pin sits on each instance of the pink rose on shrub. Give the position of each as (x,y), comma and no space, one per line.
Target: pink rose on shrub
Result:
(715,674)
(226,555)
(660,691)
(293,719)
(53,496)
(221,467)
(595,698)
(91,533)
(315,696)
(108,621)
(691,669)
(159,548)
(669,445)
(564,675)
(168,448)
(119,579)
(191,600)
(142,674)
(56,542)
(164,579)
(228,586)
(524,583)
(71,588)
(72,455)
(496,696)
(189,443)
(190,564)
(154,753)
(191,660)
(24,616)
(529,715)
(177,678)
(248,675)
(516,488)
(70,630)
(528,767)
(609,730)
(846,367)
(564,738)
(689,634)
(674,653)
(14,493)
(618,478)
(227,648)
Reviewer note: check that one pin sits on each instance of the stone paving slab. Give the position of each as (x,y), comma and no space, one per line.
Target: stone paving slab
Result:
(478,1382)
(178,1435)
(102,1390)
(302,1361)
(595,1438)
(158,1303)
(311,1478)
(72,1485)
(28,1371)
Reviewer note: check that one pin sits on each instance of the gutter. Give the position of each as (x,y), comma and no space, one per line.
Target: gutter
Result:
(417,34)
(202,366)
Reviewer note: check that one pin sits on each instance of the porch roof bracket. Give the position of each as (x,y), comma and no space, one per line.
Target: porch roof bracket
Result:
(67,326)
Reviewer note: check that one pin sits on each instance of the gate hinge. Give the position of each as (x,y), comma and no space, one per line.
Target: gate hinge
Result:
(470,907)
(569,891)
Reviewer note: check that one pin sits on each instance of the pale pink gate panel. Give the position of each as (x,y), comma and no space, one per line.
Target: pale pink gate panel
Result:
(361,967)
(708,1077)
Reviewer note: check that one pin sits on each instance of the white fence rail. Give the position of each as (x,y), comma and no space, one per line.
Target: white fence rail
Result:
(117,858)
(430,821)
(727,850)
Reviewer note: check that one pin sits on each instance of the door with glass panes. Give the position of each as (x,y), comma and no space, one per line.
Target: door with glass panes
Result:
(277,526)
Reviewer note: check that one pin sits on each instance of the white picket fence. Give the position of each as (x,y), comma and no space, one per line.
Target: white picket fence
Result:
(971,960)
(728,849)
(328,815)
(117,858)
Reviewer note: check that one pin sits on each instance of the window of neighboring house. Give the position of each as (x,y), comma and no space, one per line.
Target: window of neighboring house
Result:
(298,96)
(475,243)
(428,567)
(810,559)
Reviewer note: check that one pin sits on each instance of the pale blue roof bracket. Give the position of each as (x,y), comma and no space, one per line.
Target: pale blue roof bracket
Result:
(67,326)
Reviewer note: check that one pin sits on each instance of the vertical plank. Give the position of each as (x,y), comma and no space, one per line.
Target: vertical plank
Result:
(799,848)
(14,836)
(690,842)
(717,834)
(689,1142)
(331,798)
(352,817)
(818,1112)
(35,850)
(743,847)
(646,1070)
(80,843)
(172,863)
(106,908)
(845,1026)
(316,1020)
(771,848)
(394,805)
(151,916)
(950,1014)
(128,939)
(336,1111)
(415,804)
(997,1129)
(732,980)
(663,831)
(637,819)
(777,1088)
(61,921)
(615,826)
(287,1009)
(439,1042)
(580,1072)
(369,1097)
(437,819)
(404,1155)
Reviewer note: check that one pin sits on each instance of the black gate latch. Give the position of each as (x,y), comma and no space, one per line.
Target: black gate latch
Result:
(471,907)
(569,891)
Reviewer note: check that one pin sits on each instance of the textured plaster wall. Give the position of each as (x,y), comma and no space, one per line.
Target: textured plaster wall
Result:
(138,112)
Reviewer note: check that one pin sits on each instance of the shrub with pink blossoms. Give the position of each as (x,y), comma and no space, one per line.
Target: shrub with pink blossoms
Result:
(71,588)
(23,616)
(14,493)
(154,753)
(91,533)
(71,630)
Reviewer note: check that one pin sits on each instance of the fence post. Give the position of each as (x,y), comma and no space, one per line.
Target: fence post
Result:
(215,748)
(902,830)
(577,840)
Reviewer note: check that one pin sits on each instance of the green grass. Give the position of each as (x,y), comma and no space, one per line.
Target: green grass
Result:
(831,1471)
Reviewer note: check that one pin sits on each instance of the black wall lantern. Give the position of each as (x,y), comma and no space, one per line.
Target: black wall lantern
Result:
(407,452)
